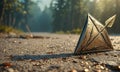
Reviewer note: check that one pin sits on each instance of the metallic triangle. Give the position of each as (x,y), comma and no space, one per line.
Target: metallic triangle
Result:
(94,37)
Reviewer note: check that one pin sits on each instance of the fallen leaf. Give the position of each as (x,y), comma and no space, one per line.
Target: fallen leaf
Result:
(6,64)
(49,52)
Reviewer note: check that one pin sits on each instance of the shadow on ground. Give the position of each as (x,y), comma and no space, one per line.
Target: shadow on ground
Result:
(63,55)
(38,57)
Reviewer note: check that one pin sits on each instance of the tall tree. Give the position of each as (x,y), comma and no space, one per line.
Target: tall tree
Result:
(68,14)
(116,26)
(1,8)
(10,8)
(58,13)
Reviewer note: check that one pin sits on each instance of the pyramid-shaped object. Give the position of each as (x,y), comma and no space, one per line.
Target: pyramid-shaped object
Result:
(94,37)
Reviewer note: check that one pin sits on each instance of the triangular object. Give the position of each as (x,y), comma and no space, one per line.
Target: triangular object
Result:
(94,37)
(109,22)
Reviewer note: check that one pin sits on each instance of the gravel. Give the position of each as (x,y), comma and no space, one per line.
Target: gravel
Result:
(54,53)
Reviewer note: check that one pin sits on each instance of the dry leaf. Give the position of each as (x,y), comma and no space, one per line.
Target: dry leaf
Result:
(6,64)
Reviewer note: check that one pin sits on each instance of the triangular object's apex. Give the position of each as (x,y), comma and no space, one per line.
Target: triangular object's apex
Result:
(110,21)
(94,37)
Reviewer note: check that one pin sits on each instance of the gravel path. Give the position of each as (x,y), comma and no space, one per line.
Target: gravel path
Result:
(54,53)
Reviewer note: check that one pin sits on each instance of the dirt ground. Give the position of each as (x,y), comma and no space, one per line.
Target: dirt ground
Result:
(54,53)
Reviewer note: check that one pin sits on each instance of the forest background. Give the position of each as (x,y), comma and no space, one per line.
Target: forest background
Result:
(61,16)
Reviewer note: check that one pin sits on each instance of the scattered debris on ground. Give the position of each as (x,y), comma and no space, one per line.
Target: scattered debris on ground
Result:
(46,52)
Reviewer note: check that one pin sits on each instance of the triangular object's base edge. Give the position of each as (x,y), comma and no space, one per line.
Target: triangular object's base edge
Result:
(92,51)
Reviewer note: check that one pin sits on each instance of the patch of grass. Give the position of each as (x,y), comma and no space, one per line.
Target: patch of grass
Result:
(7,29)
(74,31)
(60,32)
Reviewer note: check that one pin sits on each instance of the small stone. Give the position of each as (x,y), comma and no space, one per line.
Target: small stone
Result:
(73,70)
(82,62)
(98,71)
(89,67)
(102,67)
(14,41)
(118,67)
(86,70)
(4,50)
(82,57)
(86,63)
(10,70)
(29,36)
(106,69)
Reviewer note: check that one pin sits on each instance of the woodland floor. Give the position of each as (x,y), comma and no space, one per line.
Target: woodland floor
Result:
(54,53)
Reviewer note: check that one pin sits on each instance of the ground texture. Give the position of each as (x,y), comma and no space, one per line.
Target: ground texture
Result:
(54,53)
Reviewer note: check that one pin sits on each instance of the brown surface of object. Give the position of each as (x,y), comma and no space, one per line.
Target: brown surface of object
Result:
(94,37)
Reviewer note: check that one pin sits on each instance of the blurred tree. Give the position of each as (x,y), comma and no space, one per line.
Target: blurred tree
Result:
(1,9)
(45,20)
(103,9)
(116,26)
(68,14)
(14,12)
(34,17)
(9,9)
(108,9)
(58,14)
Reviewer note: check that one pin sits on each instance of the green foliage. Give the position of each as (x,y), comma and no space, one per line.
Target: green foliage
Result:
(60,32)
(15,12)
(7,29)
(74,31)
(68,14)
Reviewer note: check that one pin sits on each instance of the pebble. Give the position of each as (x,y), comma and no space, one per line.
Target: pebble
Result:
(102,67)
(119,67)
(59,46)
(10,70)
(83,57)
(73,70)
(14,41)
(4,50)
(86,63)
(98,70)
(86,70)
